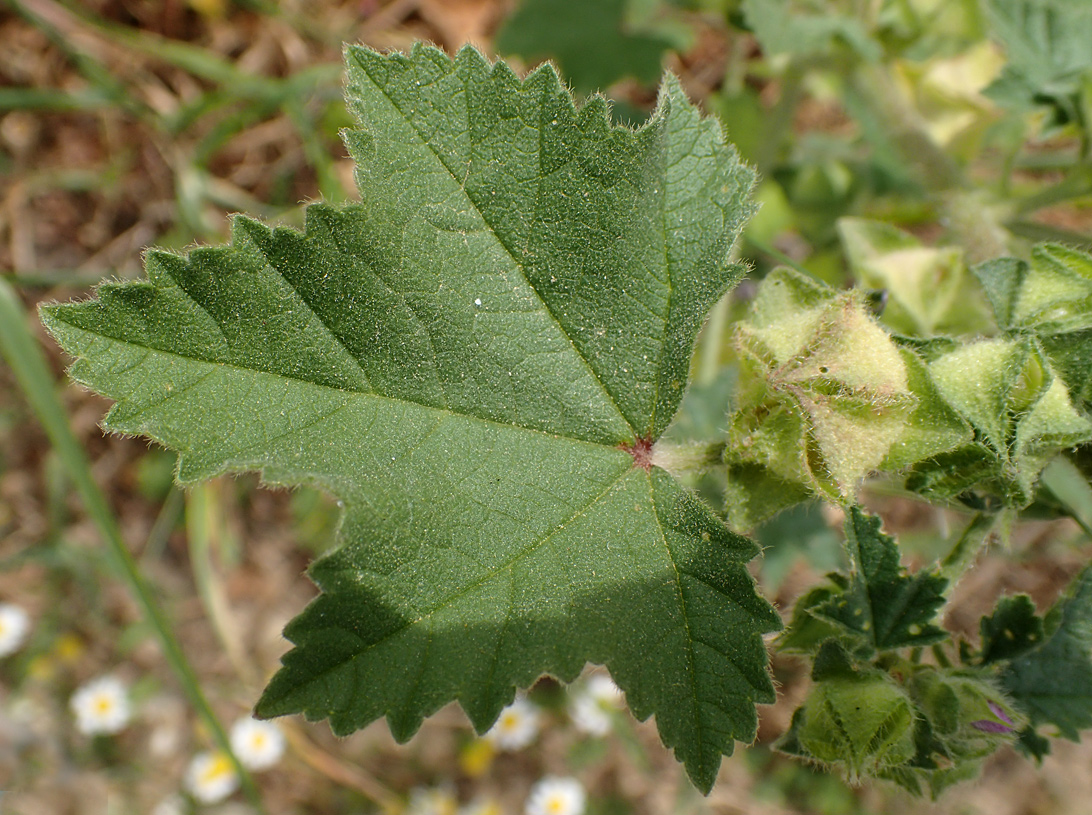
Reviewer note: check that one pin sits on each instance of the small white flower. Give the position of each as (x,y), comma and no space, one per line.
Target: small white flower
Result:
(14,624)
(210,777)
(590,707)
(431,801)
(556,796)
(258,745)
(101,706)
(516,727)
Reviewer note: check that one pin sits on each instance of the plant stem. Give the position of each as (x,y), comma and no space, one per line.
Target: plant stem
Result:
(205,530)
(1035,231)
(940,656)
(967,547)
(34,377)
(1068,486)
(712,341)
(1077,185)
(907,134)
(779,124)
(685,459)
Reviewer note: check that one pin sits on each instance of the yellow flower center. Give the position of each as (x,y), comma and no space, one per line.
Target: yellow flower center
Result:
(219,766)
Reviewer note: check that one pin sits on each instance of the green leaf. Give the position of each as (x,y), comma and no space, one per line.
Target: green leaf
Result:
(1012,630)
(799,28)
(1046,43)
(594,42)
(977,379)
(929,290)
(1002,279)
(1050,297)
(1064,486)
(806,633)
(1053,683)
(864,722)
(1022,414)
(476,360)
(883,605)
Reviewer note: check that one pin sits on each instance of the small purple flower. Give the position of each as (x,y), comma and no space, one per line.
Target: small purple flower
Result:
(990,726)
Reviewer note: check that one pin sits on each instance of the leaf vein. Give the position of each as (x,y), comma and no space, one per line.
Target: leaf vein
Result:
(501,241)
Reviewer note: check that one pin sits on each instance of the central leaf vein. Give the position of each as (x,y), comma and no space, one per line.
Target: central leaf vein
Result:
(501,241)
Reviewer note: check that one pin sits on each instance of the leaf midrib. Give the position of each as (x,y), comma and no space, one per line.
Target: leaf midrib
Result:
(56,317)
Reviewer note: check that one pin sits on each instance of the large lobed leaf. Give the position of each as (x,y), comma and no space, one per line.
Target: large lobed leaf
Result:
(476,360)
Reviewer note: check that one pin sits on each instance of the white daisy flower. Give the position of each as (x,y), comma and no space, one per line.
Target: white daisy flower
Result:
(210,777)
(431,801)
(101,706)
(259,745)
(14,625)
(556,796)
(516,727)
(590,707)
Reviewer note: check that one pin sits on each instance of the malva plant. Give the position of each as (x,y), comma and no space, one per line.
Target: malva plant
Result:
(479,360)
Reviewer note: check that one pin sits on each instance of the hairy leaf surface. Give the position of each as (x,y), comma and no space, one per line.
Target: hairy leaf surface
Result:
(882,603)
(1053,683)
(476,360)
(1012,630)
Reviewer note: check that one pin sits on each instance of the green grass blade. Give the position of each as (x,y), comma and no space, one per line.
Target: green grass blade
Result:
(32,373)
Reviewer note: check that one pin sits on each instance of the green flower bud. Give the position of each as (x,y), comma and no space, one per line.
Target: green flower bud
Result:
(825,398)
(864,723)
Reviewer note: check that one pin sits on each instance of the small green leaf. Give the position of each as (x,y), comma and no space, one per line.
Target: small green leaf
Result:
(1051,425)
(1046,42)
(977,380)
(933,426)
(476,360)
(883,605)
(806,632)
(1050,297)
(1002,279)
(1053,683)
(1065,486)
(929,290)
(1011,631)
(798,28)
(1056,293)
(594,42)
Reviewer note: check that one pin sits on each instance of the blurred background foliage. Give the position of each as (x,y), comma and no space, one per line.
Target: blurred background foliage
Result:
(126,123)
